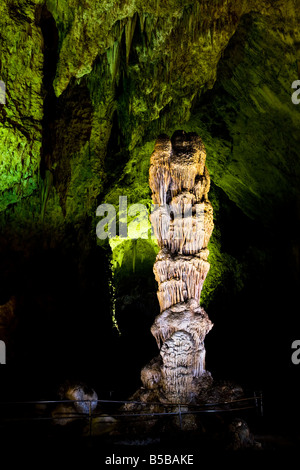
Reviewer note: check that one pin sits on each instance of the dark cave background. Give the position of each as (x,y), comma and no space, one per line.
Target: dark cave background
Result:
(96,146)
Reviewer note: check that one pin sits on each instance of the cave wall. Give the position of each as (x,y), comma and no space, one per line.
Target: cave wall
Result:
(90,85)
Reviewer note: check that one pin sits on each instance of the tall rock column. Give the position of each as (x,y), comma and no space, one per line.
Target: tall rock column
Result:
(182,221)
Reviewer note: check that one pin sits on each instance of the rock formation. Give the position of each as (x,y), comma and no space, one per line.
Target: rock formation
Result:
(83,412)
(182,221)
(84,398)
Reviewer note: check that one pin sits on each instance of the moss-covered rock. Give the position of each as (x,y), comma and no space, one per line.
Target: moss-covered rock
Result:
(21,69)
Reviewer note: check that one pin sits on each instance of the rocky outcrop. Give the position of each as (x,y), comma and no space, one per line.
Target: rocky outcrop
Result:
(84,398)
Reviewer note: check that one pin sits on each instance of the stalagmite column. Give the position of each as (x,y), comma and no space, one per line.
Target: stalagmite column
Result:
(182,222)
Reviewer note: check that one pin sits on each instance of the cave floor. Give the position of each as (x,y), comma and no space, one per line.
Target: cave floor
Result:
(274,446)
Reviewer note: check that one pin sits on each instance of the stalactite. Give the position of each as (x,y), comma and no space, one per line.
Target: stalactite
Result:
(113,59)
(129,32)
(46,187)
(142,17)
(150,26)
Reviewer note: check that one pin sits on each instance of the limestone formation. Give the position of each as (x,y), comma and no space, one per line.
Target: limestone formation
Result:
(182,221)
(85,398)
(179,277)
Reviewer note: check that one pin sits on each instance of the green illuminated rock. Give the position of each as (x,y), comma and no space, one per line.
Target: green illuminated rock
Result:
(21,69)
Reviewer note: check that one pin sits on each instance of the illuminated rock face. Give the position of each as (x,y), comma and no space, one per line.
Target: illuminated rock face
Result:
(183,223)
